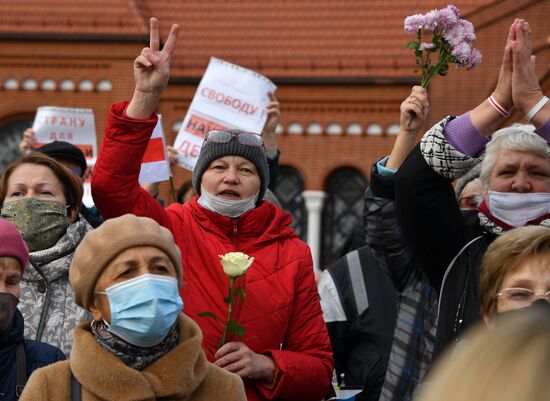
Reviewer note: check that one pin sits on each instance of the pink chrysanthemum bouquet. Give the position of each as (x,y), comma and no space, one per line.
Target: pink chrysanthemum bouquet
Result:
(453,38)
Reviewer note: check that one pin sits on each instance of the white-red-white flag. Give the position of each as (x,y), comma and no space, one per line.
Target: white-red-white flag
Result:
(154,165)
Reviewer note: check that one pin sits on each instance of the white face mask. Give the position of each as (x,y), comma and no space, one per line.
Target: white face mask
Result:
(226,207)
(516,209)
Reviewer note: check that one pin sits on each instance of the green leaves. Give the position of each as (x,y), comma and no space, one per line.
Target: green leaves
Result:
(413,44)
(235,328)
(239,291)
(207,314)
(231,326)
(440,51)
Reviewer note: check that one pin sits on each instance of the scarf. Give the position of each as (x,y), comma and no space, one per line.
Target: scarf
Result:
(493,225)
(133,356)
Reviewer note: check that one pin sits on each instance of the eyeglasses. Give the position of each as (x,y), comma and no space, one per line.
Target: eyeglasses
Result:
(522,296)
(244,138)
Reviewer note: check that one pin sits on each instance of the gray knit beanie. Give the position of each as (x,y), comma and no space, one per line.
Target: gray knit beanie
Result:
(212,150)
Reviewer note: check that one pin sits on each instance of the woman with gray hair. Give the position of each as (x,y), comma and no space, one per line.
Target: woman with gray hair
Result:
(516,185)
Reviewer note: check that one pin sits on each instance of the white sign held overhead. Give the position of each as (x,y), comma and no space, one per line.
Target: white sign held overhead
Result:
(76,126)
(228,96)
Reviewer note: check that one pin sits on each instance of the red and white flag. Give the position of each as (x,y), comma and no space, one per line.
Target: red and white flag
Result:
(154,165)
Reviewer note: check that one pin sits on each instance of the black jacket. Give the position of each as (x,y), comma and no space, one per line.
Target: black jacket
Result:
(37,355)
(361,345)
(447,243)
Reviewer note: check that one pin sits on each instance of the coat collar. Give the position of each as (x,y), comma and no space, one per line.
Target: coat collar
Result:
(262,224)
(175,375)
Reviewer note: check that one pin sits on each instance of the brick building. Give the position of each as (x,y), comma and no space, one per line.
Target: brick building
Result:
(341,70)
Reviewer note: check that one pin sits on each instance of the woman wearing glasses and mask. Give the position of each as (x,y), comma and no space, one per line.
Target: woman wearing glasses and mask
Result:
(285,352)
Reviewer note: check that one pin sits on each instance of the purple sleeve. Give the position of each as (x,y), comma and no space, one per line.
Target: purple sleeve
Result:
(461,133)
(544,130)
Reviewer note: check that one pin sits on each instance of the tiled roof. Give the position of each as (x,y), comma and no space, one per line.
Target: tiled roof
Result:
(298,38)
(284,38)
(74,17)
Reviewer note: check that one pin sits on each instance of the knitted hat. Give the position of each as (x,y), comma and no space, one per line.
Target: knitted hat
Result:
(12,244)
(212,150)
(64,150)
(100,246)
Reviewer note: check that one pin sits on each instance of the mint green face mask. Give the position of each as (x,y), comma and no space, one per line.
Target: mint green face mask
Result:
(41,222)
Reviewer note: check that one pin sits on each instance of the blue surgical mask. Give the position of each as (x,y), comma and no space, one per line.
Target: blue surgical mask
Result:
(227,207)
(144,308)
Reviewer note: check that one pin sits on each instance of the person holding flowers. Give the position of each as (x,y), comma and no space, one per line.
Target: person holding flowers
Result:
(274,336)
(516,181)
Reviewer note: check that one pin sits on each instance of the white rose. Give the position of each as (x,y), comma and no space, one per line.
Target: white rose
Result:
(235,264)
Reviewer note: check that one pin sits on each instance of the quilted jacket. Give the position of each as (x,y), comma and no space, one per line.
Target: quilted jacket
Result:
(281,314)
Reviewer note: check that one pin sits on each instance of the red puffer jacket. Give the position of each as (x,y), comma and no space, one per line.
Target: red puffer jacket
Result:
(282,314)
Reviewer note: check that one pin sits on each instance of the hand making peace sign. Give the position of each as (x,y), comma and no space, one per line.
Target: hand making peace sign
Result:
(151,72)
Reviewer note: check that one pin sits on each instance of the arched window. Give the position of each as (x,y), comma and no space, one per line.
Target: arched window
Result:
(342,211)
(288,191)
(10,137)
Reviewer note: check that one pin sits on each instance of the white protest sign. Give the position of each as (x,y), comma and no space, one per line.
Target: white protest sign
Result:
(228,96)
(154,165)
(76,126)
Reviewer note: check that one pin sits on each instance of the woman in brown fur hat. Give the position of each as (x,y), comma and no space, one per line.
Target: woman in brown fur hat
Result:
(139,346)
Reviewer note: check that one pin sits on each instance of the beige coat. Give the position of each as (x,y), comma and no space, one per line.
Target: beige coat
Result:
(181,374)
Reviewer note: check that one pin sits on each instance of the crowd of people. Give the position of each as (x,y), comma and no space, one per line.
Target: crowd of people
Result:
(127,301)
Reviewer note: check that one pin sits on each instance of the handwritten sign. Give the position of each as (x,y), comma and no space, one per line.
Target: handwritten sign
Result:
(76,126)
(228,96)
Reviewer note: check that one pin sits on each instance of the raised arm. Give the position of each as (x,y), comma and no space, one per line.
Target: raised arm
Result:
(485,117)
(269,135)
(384,236)
(115,186)
(526,92)
(427,208)
(413,113)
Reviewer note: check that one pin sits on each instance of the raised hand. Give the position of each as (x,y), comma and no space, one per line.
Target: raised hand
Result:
(26,146)
(237,358)
(152,71)
(152,66)
(414,111)
(172,156)
(503,90)
(273,118)
(526,91)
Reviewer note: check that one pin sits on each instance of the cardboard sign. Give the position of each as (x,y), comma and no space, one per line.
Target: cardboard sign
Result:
(228,96)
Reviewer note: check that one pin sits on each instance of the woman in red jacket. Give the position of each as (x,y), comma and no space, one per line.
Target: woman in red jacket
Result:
(285,352)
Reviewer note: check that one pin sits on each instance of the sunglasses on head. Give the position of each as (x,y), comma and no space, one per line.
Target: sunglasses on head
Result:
(244,138)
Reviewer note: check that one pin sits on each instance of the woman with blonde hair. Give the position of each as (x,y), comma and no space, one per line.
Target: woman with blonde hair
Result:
(510,363)
(515,271)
